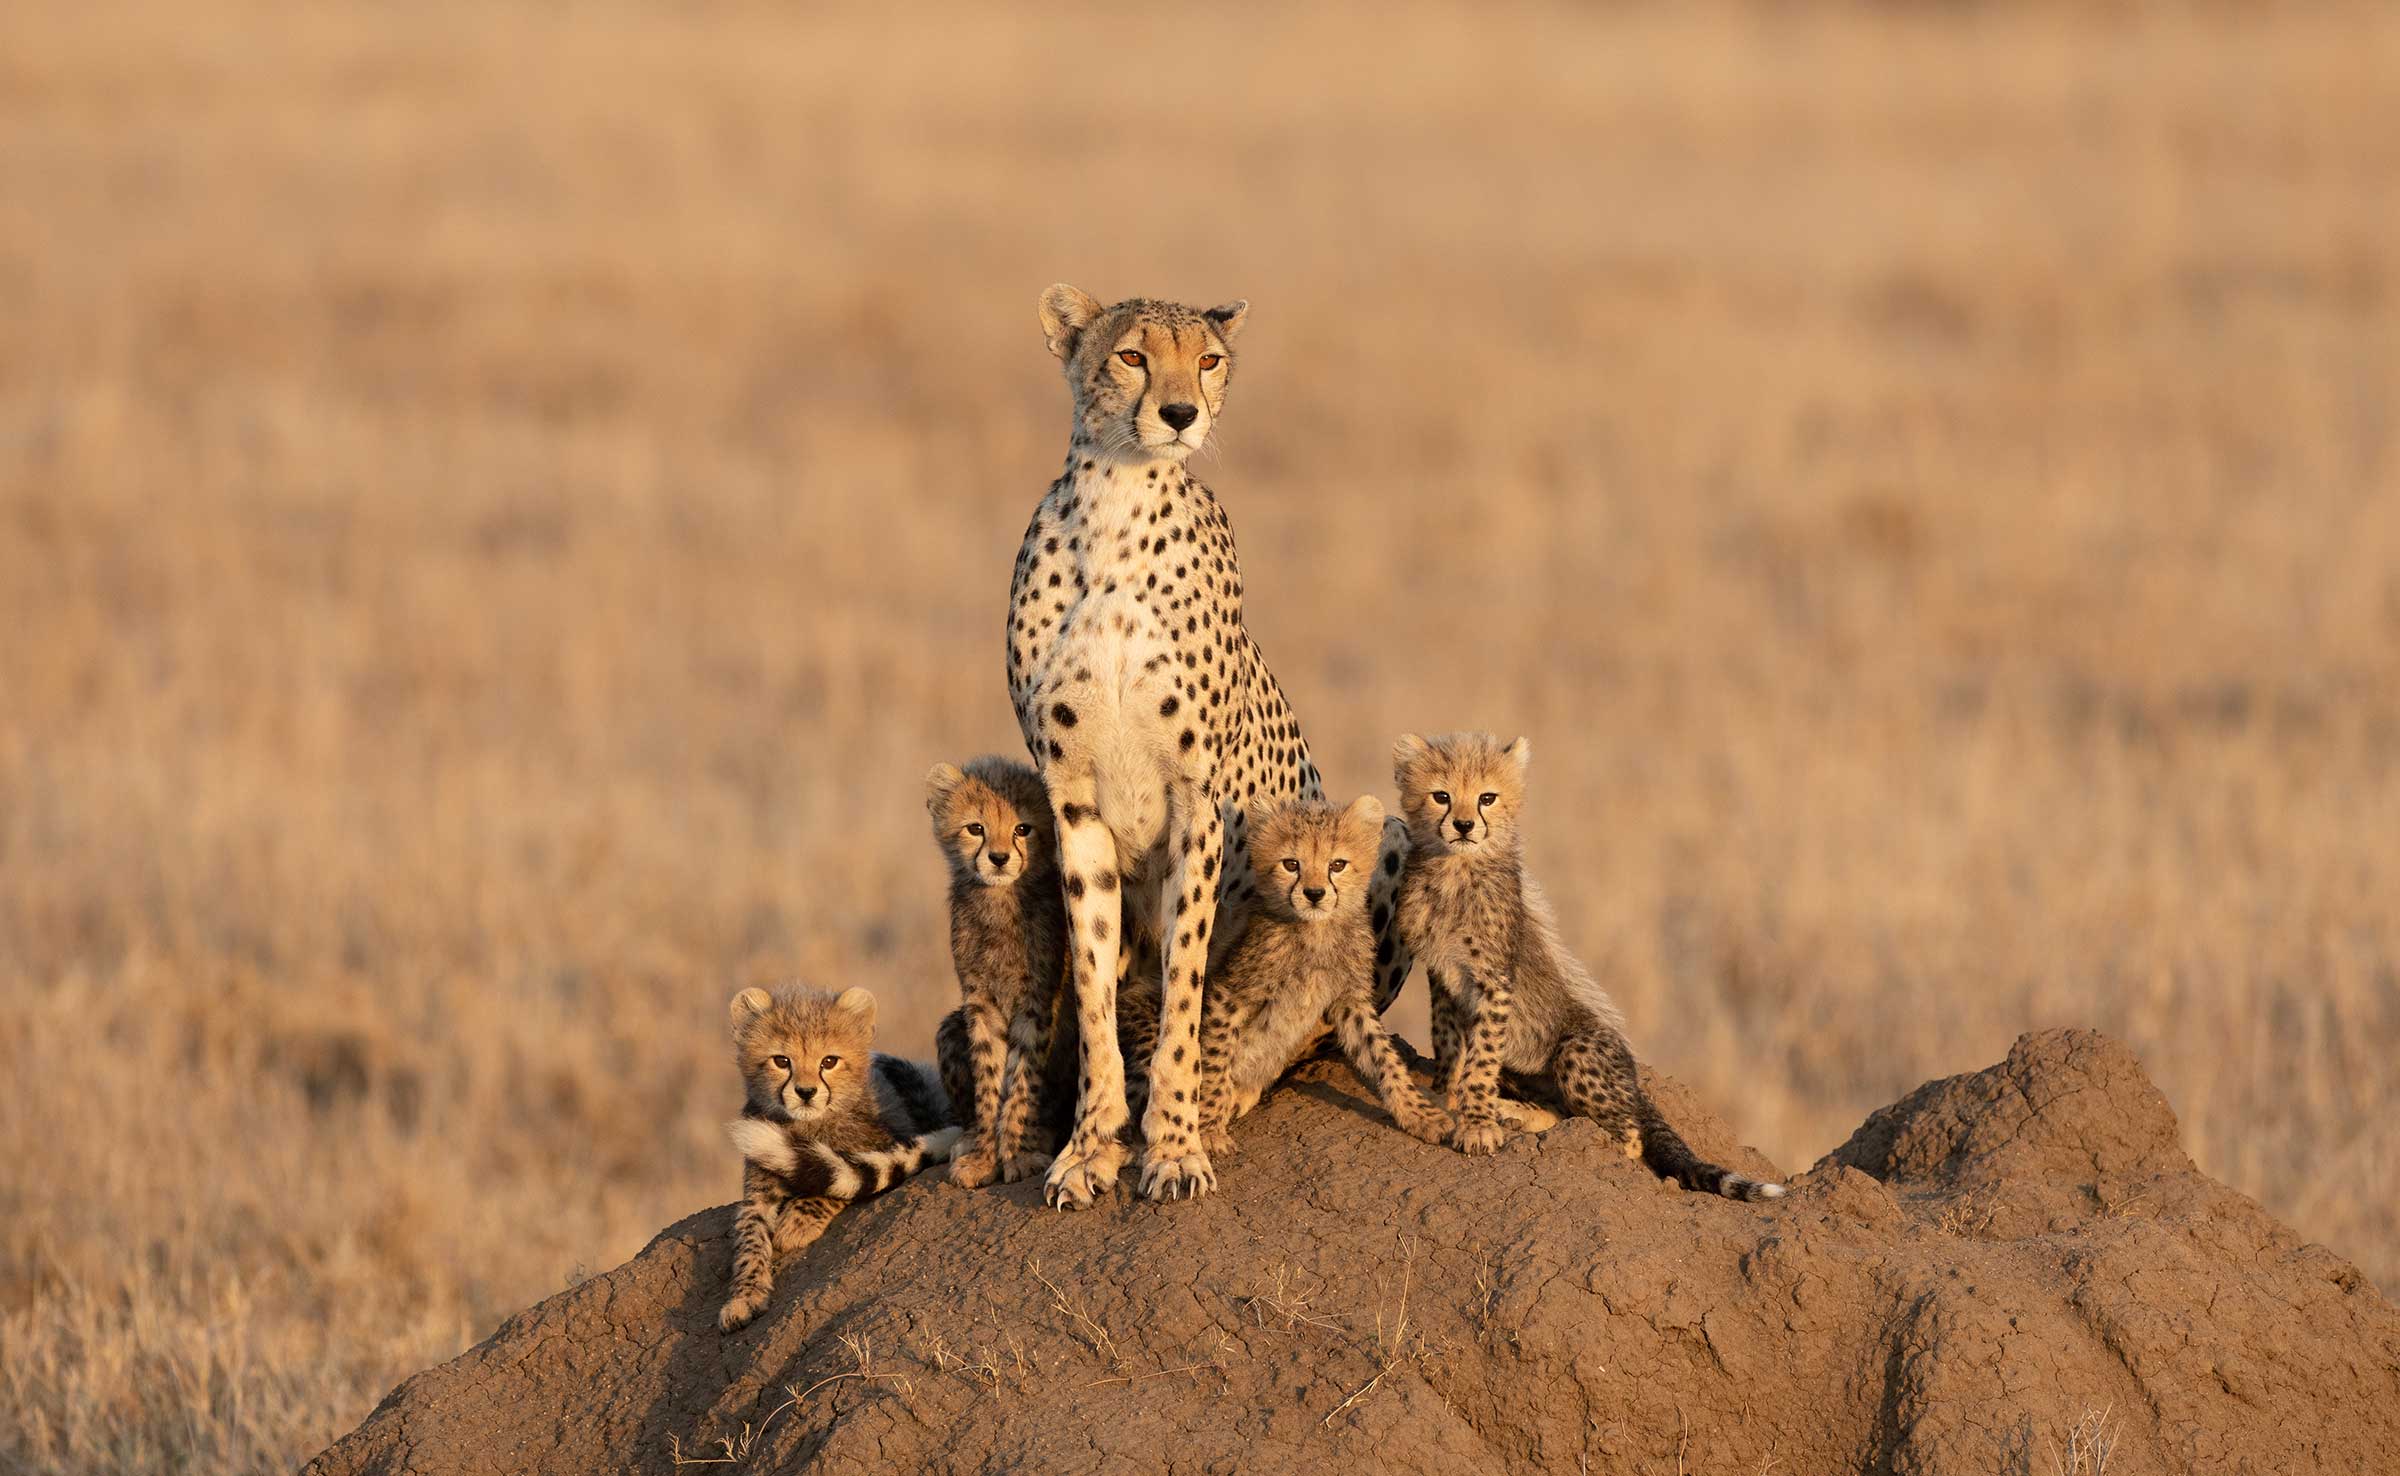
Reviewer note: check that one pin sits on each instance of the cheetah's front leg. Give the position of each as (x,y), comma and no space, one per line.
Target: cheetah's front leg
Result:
(1174,1164)
(1087,1166)
(1485,1001)
(977,1160)
(1029,1044)
(1392,957)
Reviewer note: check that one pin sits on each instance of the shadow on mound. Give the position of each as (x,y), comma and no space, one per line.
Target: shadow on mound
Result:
(1998,1265)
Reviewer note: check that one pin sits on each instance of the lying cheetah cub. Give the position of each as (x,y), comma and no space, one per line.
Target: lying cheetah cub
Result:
(828,1120)
(1009,1075)
(1306,962)
(1506,993)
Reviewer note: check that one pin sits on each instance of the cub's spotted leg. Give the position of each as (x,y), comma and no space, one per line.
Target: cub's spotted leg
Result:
(1443,1005)
(1392,957)
(953,1062)
(1221,1026)
(753,1276)
(1087,1166)
(1174,1165)
(1485,1001)
(1021,1088)
(1378,1064)
(976,1161)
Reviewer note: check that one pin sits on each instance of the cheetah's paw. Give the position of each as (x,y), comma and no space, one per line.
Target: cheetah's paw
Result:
(1017,1167)
(973,1166)
(1170,1175)
(1081,1174)
(738,1310)
(1479,1134)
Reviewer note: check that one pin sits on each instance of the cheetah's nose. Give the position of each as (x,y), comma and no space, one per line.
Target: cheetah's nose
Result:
(807,1094)
(1463,827)
(1179,416)
(1314,894)
(998,859)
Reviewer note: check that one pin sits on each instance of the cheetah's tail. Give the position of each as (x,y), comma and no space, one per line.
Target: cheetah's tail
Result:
(814,1169)
(1668,1156)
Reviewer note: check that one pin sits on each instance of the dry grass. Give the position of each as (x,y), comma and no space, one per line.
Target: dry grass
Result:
(499,506)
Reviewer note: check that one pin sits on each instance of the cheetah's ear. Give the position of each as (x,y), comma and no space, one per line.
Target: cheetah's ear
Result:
(857,1003)
(1365,812)
(1522,752)
(1066,312)
(1410,750)
(1229,317)
(940,782)
(1261,809)
(748,1006)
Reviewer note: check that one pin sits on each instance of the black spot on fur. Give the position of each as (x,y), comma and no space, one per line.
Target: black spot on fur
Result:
(1062,712)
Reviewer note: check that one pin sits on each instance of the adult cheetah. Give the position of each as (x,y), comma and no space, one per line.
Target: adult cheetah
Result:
(1152,715)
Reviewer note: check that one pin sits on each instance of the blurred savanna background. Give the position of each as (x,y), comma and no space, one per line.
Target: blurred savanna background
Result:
(501,504)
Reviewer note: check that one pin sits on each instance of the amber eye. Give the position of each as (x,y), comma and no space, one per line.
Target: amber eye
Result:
(1291,866)
(1211,361)
(1132,357)
(782,1063)
(829,1063)
(1442,797)
(976,829)
(1337,864)
(1024,830)
(1486,798)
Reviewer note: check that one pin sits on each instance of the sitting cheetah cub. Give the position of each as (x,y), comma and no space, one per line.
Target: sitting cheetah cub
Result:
(1506,993)
(1306,962)
(1009,1074)
(828,1120)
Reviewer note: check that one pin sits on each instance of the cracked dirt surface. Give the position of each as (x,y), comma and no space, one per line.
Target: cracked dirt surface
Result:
(1980,1268)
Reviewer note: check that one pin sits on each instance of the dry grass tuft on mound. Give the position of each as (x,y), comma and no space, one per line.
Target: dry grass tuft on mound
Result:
(500,505)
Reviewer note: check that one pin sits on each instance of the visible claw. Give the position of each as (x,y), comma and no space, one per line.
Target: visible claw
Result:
(1081,1174)
(1177,1176)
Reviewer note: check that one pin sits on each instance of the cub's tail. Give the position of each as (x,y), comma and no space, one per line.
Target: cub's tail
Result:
(1669,1157)
(813,1169)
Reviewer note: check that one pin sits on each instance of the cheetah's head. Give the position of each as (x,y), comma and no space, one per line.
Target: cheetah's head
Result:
(1461,791)
(991,819)
(1313,861)
(804,1053)
(1148,377)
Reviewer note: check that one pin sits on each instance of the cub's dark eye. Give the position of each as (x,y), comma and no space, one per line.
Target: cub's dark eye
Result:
(1132,357)
(975,829)
(1024,830)
(829,1063)
(1211,361)
(782,1063)
(1291,866)
(1442,797)
(1337,864)
(1486,798)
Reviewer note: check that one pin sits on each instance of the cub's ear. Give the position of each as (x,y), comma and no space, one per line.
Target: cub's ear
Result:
(1261,810)
(1229,317)
(1365,812)
(857,1003)
(1405,753)
(941,781)
(1522,752)
(1066,312)
(748,1006)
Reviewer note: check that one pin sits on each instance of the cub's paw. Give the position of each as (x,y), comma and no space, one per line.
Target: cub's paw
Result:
(973,1167)
(1082,1174)
(1479,1134)
(1169,1174)
(1217,1143)
(1427,1127)
(1017,1167)
(1526,1117)
(738,1310)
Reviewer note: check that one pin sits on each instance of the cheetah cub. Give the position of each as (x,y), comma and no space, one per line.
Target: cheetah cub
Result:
(828,1120)
(1306,962)
(1505,991)
(1010,1077)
